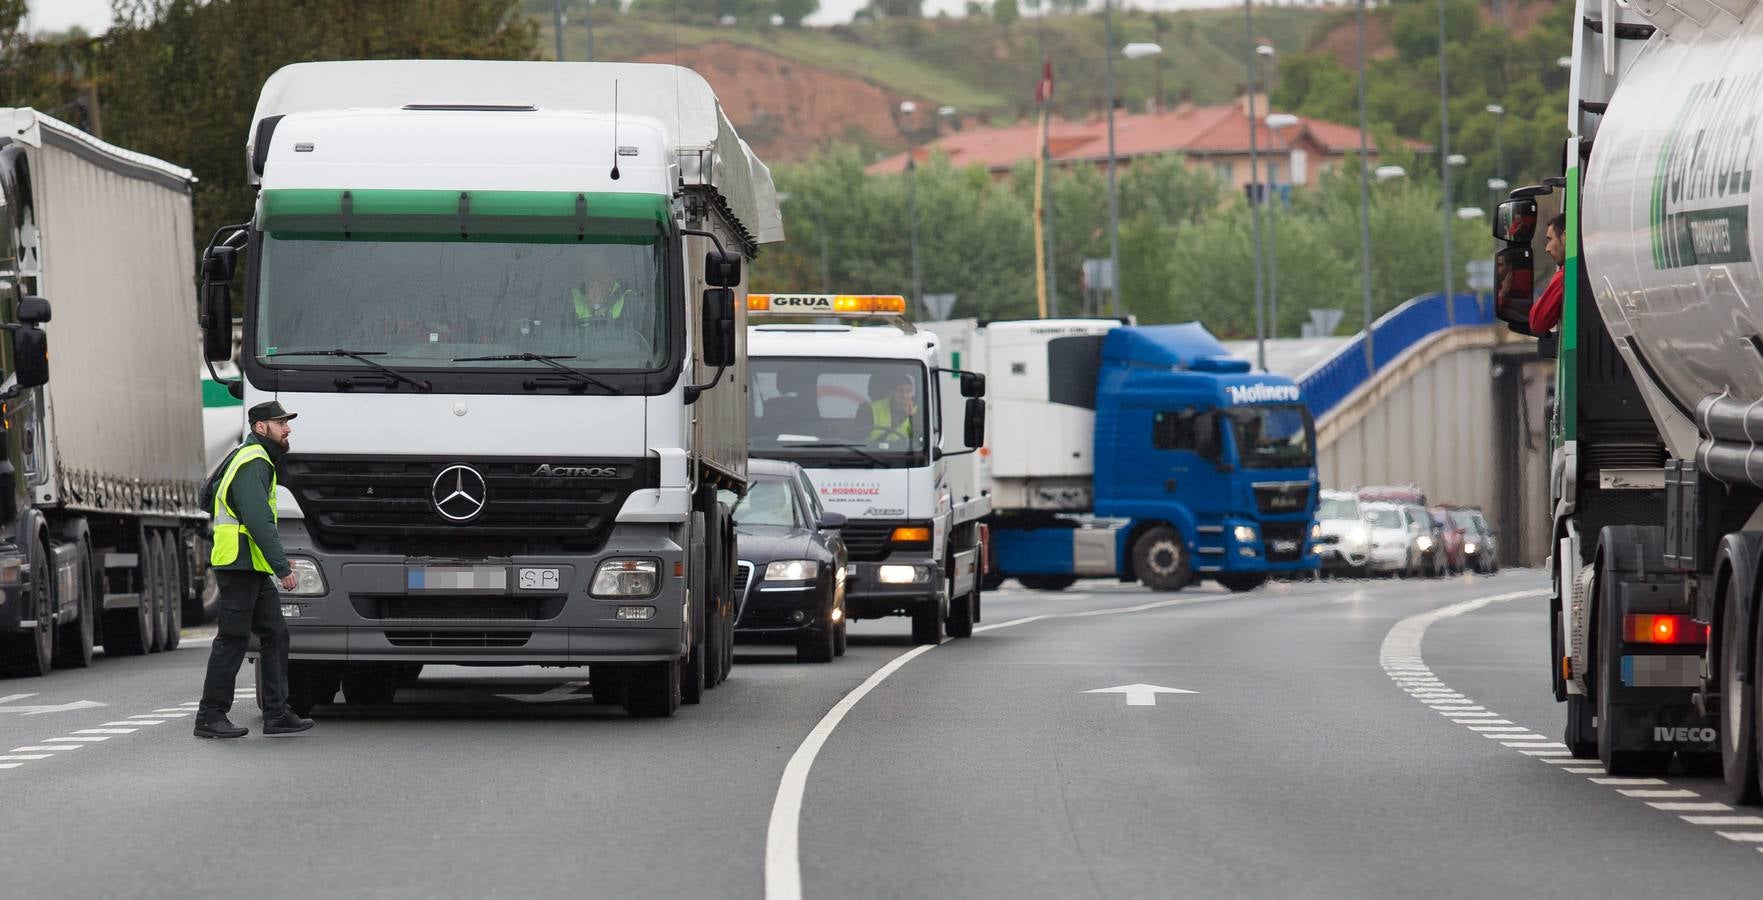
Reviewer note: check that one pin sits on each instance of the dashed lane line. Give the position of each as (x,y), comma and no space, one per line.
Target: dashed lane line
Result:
(48,748)
(783,862)
(1401,660)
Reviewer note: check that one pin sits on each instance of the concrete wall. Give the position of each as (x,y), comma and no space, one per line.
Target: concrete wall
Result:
(1433,418)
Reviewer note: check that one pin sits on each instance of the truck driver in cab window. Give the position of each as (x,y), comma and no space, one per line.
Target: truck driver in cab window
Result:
(1545,314)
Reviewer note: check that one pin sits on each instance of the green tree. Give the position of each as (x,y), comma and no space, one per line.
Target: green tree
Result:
(794,11)
(1005,12)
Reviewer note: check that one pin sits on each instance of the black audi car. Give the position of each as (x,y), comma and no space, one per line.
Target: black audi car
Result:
(791,581)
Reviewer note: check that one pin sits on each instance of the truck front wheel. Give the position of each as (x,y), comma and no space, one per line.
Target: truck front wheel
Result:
(1160,557)
(1047,582)
(927,623)
(652,690)
(1239,583)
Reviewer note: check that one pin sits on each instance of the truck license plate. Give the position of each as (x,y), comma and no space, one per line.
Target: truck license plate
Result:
(456,578)
(1285,546)
(531,579)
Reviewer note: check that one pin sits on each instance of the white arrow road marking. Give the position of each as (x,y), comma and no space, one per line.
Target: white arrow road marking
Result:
(1140,694)
(39,710)
(559,694)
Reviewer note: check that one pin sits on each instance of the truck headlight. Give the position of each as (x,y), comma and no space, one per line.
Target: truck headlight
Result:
(1315,531)
(625,578)
(1244,533)
(792,570)
(902,574)
(1469,547)
(1423,542)
(308,580)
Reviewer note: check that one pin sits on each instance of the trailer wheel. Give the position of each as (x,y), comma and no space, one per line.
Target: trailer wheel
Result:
(1160,557)
(652,690)
(1738,704)
(152,590)
(73,645)
(31,653)
(171,590)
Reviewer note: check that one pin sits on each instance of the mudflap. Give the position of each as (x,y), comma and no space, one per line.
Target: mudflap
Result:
(1646,699)
(1660,722)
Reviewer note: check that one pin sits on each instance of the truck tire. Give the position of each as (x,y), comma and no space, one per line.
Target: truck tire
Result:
(1581,736)
(310,685)
(927,623)
(1243,582)
(1160,557)
(1738,705)
(31,653)
(606,684)
(171,576)
(961,614)
(152,589)
(1046,582)
(73,643)
(652,690)
(993,579)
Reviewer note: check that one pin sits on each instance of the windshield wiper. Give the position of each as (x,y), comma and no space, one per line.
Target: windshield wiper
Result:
(362,356)
(552,361)
(854,448)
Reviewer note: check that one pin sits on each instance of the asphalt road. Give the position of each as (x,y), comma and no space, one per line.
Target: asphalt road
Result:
(1340,740)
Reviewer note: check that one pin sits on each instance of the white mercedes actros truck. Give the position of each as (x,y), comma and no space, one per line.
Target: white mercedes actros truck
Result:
(506,300)
(852,393)
(1657,486)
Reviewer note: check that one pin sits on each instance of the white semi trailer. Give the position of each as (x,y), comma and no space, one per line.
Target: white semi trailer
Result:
(1657,487)
(506,300)
(104,539)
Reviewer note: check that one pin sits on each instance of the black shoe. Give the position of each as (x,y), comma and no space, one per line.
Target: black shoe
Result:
(219,727)
(286,723)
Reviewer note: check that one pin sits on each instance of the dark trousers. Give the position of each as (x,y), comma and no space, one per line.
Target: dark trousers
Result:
(249,604)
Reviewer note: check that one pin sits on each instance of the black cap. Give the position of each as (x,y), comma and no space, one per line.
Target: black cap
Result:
(269,412)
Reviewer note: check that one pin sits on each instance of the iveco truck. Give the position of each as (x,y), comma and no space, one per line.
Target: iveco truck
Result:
(506,300)
(854,394)
(1657,484)
(1141,453)
(102,535)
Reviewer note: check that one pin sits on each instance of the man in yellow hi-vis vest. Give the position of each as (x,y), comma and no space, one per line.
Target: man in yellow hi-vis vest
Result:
(249,563)
(603,300)
(892,411)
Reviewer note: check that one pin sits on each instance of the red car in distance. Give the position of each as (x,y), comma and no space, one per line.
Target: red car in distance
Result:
(1453,538)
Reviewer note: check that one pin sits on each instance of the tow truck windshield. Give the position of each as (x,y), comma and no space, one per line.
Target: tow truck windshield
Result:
(830,413)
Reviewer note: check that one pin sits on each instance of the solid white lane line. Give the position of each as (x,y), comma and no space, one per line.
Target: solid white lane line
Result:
(1660,794)
(1733,821)
(1669,806)
(17,757)
(783,861)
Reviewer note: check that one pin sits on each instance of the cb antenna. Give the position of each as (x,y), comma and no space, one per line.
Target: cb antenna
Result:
(614,129)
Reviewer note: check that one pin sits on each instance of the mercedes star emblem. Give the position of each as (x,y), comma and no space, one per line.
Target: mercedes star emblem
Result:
(459,493)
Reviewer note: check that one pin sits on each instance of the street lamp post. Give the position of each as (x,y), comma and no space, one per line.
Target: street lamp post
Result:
(1499,114)
(1113,190)
(1276,124)
(1445,161)
(1364,195)
(1255,189)
(1453,161)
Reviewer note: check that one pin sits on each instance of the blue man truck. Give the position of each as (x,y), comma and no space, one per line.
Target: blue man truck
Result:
(1142,453)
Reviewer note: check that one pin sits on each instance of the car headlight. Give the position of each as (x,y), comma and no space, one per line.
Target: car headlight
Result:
(1469,547)
(792,570)
(308,580)
(625,578)
(1316,531)
(1244,533)
(1423,542)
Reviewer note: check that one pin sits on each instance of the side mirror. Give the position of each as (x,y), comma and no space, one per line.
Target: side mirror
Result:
(216,319)
(722,268)
(719,327)
(30,357)
(1514,286)
(973,431)
(832,521)
(973,385)
(1515,221)
(33,310)
(218,263)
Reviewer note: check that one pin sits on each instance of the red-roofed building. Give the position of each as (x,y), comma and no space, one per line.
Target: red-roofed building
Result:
(1215,138)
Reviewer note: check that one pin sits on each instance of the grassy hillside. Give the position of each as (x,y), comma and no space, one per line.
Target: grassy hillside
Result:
(974,64)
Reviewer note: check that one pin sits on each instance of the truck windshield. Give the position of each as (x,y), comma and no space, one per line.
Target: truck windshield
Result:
(839,413)
(1272,437)
(424,303)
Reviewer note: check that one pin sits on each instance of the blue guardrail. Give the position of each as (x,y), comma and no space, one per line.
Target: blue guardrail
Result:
(1329,383)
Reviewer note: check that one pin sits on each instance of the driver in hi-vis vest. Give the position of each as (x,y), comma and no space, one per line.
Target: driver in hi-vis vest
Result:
(249,563)
(604,298)
(893,408)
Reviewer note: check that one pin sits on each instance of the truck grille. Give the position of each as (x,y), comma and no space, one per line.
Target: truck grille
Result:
(867,540)
(1274,498)
(458,639)
(1273,534)
(388,505)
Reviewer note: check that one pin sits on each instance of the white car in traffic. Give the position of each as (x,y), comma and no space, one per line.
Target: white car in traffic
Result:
(1392,542)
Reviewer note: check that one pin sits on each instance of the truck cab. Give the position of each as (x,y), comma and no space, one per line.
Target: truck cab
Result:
(856,398)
